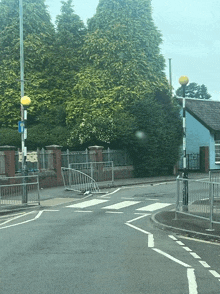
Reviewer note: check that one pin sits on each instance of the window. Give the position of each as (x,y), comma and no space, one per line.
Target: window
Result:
(217,148)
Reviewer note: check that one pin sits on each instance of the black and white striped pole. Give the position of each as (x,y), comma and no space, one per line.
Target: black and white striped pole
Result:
(183,80)
(25,102)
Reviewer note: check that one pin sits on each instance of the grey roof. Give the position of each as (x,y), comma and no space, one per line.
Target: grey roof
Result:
(207,112)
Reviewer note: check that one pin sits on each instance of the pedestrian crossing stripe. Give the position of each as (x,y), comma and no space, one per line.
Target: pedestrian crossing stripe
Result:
(122,204)
(119,205)
(87,203)
(154,206)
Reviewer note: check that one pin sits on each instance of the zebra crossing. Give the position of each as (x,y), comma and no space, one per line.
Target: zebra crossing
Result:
(121,205)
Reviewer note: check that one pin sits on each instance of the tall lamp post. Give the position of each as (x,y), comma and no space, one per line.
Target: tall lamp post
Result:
(25,102)
(183,80)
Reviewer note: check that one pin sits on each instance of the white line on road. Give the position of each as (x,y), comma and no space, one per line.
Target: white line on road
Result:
(115,212)
(139,217)
(122,204)
(22,223)
(173,238)
(205,264)
(113,192)
(187,248)
(49,210)
(151,241)
(150,236)
(192,281)
(180,243)
(154,206)
(195,255)
(199,240)
(138,229)
(14,218)
(83,211)
(215,274)
(87,203)
(171,257)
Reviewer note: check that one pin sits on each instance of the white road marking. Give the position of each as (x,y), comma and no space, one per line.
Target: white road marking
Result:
(120,205)
(205,264)
(115,212)
(138,229)
(171,257)
(195,255)
(192,281)
(22,223)
(113,192)
(199,240)
(139,217)
(215,274)
(51,210)
(87,203)
(180,243)
(187,249)
(83,211)
(14,218)
(172,237)
(151,241)
(150,236)
(154,206)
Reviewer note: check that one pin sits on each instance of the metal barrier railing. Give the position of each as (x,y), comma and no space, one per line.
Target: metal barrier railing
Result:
(19,190)
(203,199)
(99,171)
(78,181)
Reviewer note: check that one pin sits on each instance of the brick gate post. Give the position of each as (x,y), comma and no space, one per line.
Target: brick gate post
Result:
(95,153)
(9,154)
(96,156)
(56,161)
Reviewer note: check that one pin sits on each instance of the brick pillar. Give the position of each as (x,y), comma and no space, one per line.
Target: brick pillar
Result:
(56,161)
(95,153)
(9,154)
(204,159)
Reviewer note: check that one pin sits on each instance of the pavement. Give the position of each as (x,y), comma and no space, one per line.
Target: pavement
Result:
(165,219)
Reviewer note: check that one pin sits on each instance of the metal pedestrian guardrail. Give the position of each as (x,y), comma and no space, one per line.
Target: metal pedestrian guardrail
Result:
(78,181)
(203,199)
(19,190)
(99,171)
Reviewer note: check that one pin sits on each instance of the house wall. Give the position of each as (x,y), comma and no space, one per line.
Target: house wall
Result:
(212,153)
(196,135)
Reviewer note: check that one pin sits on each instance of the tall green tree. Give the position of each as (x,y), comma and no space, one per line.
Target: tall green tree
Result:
(193,90)
(70,34)
(122,64)
(39,36)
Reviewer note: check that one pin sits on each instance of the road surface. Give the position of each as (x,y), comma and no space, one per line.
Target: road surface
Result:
(105,244)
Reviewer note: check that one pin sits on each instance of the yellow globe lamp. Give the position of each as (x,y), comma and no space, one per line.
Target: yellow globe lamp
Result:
(25,101)
(183,80)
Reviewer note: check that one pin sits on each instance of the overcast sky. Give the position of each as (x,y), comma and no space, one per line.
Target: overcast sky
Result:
(190,30)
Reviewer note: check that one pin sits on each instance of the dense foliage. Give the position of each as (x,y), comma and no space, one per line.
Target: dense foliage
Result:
(193,90)
(100,84)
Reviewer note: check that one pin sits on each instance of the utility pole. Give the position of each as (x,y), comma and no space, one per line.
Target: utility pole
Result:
(25,101)
(170,71)
(183,80)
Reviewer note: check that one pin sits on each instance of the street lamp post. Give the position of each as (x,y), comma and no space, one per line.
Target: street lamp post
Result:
(183,80)
(25,102)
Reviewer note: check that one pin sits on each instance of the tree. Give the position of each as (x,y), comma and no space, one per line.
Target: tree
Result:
(122,90)
(193,90)
(122,64)
(157,135)
(38,39)
(70,34)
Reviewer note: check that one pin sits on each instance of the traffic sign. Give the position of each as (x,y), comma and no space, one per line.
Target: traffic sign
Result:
(20,126)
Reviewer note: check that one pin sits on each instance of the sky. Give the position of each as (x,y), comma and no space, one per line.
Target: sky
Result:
(190,31)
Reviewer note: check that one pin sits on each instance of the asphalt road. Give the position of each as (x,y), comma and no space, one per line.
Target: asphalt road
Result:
(105,244)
